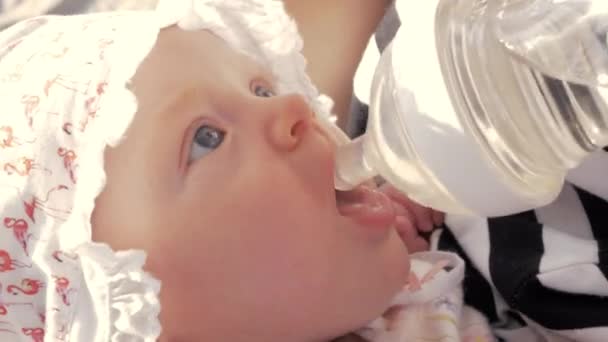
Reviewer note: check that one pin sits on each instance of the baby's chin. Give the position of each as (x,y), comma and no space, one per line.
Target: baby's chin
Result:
(397,263)
(391,271)
(383,288)
(395,271)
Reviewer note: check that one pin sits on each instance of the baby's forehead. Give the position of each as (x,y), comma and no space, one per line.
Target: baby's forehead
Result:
(190,61)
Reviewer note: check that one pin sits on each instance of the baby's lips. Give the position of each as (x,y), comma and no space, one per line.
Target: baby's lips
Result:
(368,207)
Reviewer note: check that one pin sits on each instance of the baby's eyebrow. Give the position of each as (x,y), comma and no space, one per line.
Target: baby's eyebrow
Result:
(182,101)
(266,73)
(192,96)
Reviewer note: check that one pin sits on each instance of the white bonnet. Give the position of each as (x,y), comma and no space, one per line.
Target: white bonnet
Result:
(63,99)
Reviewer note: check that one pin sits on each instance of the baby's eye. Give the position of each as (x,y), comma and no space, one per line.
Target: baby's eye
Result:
(262,91)
(206,139)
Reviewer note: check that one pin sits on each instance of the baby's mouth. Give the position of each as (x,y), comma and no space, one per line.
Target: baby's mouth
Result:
(364,204)
(367,206)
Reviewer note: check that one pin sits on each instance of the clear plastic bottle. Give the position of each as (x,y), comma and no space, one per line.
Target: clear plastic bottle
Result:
(482,106)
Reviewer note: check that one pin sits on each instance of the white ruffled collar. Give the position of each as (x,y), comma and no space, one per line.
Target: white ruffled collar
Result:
(433,274)
(125,297)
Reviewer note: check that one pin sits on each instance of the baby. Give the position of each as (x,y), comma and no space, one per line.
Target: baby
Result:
(220,168)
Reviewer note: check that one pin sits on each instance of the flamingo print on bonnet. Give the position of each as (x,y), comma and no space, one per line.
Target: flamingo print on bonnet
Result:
(62,104)
(63,98)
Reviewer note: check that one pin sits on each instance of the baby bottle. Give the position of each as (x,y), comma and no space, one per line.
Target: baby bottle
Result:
(481,107)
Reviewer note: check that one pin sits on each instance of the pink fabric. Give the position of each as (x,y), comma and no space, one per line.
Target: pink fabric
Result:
(431,306)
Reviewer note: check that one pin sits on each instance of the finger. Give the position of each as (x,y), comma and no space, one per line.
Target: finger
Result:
(423,216)
(438,217)
(410,237)
(405,228)
(393,193)
(401,210)
(418,245)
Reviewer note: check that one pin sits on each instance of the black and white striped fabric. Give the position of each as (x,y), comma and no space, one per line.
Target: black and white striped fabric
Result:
(540,275)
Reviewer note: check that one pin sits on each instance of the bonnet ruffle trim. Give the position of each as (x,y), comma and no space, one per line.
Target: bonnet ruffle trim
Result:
(124,296)
(259,28)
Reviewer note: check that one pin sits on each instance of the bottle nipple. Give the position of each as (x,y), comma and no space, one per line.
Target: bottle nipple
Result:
(351,167)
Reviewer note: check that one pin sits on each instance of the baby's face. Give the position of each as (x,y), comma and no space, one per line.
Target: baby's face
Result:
(229,188)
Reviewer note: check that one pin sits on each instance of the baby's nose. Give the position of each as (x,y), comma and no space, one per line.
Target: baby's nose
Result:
(289,119)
